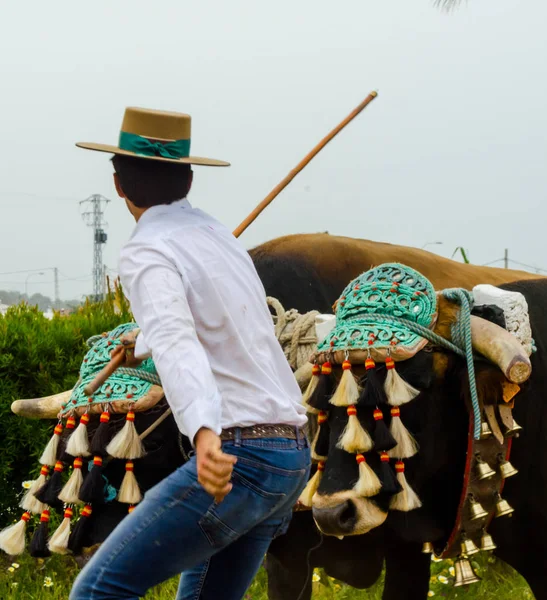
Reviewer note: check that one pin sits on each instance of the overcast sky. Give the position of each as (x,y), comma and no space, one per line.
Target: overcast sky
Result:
(454,149)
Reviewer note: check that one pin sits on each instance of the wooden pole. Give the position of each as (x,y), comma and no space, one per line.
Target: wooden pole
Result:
(305,161)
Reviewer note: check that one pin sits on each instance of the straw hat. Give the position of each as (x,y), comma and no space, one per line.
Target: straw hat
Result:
(155,135)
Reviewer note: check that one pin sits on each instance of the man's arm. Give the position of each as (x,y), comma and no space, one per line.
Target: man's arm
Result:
(158,301)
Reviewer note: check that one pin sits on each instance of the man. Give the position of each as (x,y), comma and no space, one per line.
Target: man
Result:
(202,313)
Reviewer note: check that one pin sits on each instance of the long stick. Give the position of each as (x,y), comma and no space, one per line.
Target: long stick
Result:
(306,160)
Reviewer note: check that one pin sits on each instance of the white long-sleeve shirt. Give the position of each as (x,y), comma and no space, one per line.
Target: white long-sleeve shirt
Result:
(202,311)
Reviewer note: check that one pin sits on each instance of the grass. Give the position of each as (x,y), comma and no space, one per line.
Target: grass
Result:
(50,579)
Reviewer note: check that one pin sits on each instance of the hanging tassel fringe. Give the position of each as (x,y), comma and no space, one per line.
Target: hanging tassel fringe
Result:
(58,542)
(310,390)
(406,499)
(12,539)
(390,485)
(38,544)
(373,391)
(62,454)
(398,391)
(320,445)
(383,440)
(70,492)
(77,537)
(406,445)
(354,437)
(78,444)
(92,490)
(49,492)
(102,436)
(29,502)
(312,486)
(126,444)
(347,392)
(368,483)
(49,455)
(129,490)
(319,400)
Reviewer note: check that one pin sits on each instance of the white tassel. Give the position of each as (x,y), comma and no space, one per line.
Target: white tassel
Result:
(70,492)
(368,483)
(129,490)
(126,443)
(12,539)
(354,437)
(406,445)
(407,499)
(29,502)
(312,386)
(58,543)
(308,493)
(398,391)
(347,393)
(49,455)
(78,442)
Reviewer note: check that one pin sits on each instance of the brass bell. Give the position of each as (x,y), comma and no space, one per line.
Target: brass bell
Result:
(514,430)
(484,471)
(486,432)
(427,548)
(503,507)
(469,547)
(476,510)
(487,543)
(464,572)
(507,469)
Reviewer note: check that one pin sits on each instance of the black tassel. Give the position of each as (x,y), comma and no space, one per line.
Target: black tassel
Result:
(387,476)
(38,544)
(373,393)
(49,492)
(383,440)
(77,537)
(92,490)
(102,436)
(62,454)
(322,393)
(320,449)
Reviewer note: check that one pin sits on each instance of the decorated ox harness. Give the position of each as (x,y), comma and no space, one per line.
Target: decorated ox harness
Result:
(105,431)
(387,315)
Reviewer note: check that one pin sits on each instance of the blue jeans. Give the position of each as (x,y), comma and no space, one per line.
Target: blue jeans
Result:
(178,528)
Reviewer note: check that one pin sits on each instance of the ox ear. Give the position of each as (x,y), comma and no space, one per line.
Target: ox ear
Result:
(501,348)
(41,408)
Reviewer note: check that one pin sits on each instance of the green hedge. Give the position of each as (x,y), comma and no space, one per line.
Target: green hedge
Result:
(39,357)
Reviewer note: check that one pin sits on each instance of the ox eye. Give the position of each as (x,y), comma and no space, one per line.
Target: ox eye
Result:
(417,309)
(410,281)
(374,297)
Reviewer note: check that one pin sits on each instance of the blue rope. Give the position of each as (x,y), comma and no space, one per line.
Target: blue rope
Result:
(461,336)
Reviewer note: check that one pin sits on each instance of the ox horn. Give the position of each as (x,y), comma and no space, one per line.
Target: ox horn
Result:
(41,408)
(303,375)
(501,348)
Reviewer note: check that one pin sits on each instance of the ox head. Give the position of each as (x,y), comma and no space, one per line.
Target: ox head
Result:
(393,407)
(137,391)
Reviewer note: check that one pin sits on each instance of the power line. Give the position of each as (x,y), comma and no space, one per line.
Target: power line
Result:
(95,218)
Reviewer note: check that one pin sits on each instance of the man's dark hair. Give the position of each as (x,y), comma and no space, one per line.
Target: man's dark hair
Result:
(147,183)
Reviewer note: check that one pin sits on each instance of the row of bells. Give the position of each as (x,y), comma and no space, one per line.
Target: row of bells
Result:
(464,573)
(463,569)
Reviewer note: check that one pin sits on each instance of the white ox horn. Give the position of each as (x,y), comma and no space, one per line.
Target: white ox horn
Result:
(303,375)
(501,348)
(41,408)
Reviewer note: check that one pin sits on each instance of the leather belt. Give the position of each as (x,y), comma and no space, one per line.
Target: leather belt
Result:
(255,432)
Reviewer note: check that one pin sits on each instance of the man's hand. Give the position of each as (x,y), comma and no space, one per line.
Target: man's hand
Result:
(214,466)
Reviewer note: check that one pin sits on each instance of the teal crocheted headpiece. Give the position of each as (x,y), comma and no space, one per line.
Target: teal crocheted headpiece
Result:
(365,312)
(119,386)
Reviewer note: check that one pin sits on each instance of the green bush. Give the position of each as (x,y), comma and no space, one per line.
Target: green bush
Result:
(39,357)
